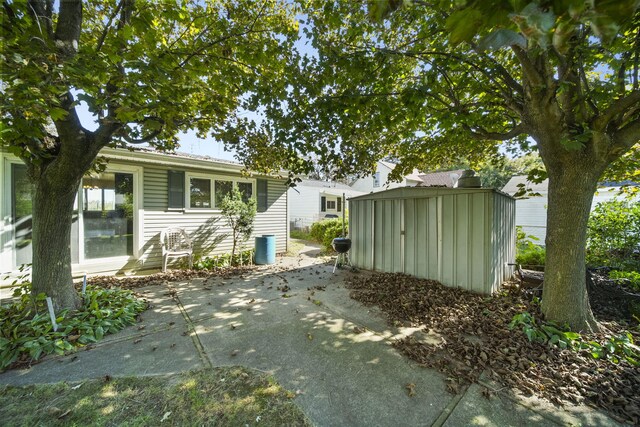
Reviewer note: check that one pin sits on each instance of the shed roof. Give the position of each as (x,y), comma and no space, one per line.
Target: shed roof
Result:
(424,192)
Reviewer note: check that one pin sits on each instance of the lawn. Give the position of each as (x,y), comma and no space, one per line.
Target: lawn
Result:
(218,396)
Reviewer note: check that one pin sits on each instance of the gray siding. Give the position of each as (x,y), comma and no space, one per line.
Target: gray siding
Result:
(208,229)
(462,239)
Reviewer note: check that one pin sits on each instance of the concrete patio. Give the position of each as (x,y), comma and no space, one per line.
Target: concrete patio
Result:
(296,321)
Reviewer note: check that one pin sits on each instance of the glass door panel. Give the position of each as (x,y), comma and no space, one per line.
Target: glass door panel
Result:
(108,215)
(21,213)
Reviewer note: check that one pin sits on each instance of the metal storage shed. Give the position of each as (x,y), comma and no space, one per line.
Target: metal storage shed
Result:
(462,237)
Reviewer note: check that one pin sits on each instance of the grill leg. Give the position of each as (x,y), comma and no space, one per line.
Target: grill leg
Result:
(336,264)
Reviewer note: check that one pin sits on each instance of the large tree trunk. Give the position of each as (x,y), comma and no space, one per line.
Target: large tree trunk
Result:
(54,193)
(565,299)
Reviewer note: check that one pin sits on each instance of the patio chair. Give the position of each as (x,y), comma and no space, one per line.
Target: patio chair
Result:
(175,244)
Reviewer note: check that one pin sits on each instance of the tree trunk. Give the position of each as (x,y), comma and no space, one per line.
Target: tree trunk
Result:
(564,298)
(54,193)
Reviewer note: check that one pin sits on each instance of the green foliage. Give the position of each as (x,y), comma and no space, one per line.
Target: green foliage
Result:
(240,214)
(614,348)
(630,277)
(26,332)
(527,252)
(326,230)
(300,234)
(613,235)
(224,260)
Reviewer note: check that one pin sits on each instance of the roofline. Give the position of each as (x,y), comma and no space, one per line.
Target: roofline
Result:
(418,192)
(168,159)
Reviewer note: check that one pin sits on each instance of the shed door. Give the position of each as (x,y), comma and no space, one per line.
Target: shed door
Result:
(422,237)
(388,253)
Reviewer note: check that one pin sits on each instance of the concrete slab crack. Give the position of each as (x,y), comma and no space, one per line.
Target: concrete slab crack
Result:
(194,335)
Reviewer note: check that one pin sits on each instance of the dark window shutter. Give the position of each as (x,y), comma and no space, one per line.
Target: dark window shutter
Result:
(176,189)
(323,204)
(263,195)
(339,208)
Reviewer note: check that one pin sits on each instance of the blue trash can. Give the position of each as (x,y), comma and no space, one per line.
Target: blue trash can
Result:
(266,249)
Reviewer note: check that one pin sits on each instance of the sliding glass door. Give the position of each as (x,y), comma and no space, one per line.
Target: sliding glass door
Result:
(107,215)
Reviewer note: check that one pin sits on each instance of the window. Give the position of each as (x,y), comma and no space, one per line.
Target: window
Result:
(246,189)
(200,193)
(176,189)
(223,189)
(331,204)
(263,195)
(376,180)
(207,192)
(339,209)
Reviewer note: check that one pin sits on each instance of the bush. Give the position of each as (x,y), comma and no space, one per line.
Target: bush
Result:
(527,252)
(26,332)
(300,234)
(224,260)
(326,230)
(631,277)
(613,235)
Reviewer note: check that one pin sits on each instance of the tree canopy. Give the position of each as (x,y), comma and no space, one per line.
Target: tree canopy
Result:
(146,71)
(425,82)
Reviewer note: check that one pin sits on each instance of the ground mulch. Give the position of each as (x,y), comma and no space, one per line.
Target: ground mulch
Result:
(127,282)
(474,337)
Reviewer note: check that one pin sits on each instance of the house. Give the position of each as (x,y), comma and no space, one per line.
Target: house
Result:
(120,212)
(379,180)
(531,211)
(312,200)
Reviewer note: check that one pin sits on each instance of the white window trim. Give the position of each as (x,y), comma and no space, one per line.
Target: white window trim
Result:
(138,219)
(212,179)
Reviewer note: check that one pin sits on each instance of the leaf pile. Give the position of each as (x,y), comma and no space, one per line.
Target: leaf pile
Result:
(473,336)
(162,278)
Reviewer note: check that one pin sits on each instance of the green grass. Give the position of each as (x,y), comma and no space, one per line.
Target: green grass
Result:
(220,396)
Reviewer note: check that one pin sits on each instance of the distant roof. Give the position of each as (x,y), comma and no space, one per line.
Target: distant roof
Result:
(512,186)
(440,179)
(323,184)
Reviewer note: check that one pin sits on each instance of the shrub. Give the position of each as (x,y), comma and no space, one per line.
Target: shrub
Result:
(223,260)
(527,252)
(26,332)
(240,212)
(326,230)
(631,277)
(613,235)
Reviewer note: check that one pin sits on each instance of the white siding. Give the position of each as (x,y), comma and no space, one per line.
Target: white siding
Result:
(207,228)
(531,213)
(365,184)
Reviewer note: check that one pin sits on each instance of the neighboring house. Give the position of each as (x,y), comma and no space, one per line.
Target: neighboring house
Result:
(313,200)
(379,180)
(531,211)
(121,211)
(447,179)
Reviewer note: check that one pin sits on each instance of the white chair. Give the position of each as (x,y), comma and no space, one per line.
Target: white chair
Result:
(175,243)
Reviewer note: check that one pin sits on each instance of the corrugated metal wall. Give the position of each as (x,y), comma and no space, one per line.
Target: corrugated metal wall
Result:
(460,239)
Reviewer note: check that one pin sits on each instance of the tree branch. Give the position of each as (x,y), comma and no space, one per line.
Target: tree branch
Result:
(480,133)
(625,138)
(107,26)
(618,107)
(528,67)
(68,28)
